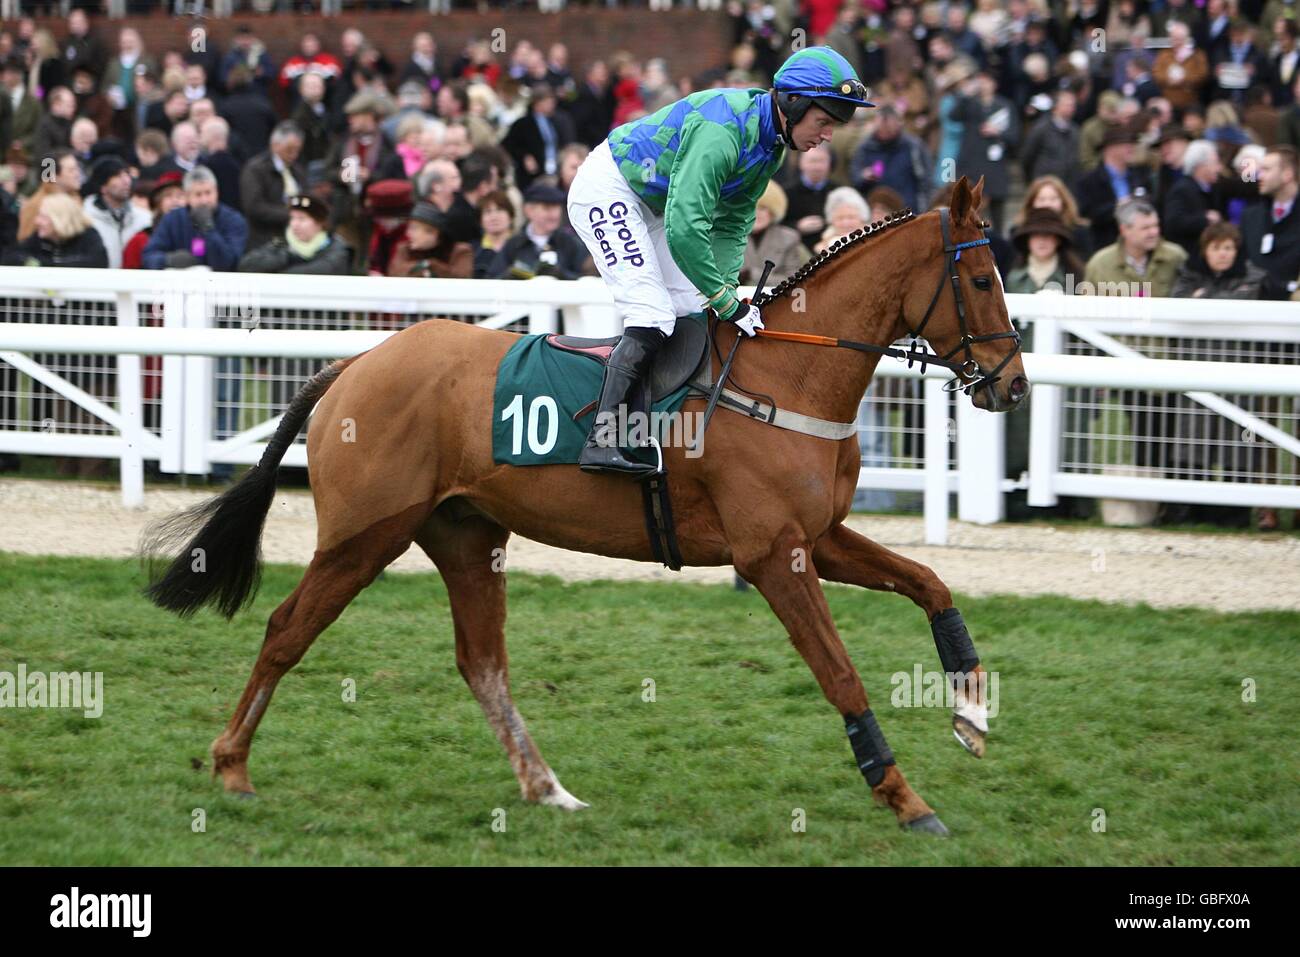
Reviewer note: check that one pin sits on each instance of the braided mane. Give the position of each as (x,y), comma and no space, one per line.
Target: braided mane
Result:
(834,250)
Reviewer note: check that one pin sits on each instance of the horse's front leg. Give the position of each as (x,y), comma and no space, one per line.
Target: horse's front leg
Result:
(842,555)
(787,577)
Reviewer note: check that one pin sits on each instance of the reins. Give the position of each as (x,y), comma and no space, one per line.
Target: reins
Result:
(968,371)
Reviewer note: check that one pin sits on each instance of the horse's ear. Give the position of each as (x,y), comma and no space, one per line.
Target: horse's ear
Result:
(960,203)
(977,198)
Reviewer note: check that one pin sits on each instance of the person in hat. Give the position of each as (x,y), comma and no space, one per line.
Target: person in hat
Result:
(429,250)
(357,160)
(306,244)
(1171,144)
(542,247)
(1112,181)
(1044,255)
(165,194)
(536,138)
(108,205)
(666,203)
(388,205)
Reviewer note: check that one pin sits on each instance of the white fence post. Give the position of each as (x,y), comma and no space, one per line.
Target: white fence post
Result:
(1045,420)
(542,319)
(200,410)
(130,405)
(174,371)
(981,462)
(936,463)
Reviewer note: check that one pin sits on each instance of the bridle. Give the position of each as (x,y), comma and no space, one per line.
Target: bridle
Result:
(970,376)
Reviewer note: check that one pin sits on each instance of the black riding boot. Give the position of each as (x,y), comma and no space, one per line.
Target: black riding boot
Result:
(628,364)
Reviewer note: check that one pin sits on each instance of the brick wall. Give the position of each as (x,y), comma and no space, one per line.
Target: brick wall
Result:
(690,40)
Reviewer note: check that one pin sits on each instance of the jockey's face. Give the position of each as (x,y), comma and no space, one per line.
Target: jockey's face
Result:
(815,128)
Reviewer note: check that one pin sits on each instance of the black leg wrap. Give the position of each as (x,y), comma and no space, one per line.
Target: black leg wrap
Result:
(956,650)
(869,747)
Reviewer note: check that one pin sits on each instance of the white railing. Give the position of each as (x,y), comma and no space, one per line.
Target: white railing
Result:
(217,328)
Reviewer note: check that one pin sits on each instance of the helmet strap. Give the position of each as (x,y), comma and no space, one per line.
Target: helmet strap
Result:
(784,128)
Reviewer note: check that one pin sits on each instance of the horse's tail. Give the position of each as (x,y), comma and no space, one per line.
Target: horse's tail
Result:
(221,563)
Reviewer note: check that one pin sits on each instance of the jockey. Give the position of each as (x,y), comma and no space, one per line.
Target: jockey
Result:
(666,204)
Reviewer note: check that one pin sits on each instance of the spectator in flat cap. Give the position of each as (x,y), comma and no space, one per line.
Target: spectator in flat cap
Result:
(542,248)
(360,158)
(305,246)
(1113,180)
(429,250)
(108,205)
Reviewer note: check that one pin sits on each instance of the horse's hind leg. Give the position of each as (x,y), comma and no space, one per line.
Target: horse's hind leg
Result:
(842,555)
(470,555)
(332,580)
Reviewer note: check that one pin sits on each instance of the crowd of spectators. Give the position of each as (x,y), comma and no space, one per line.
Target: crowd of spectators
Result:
(1128,147)
(1136,125)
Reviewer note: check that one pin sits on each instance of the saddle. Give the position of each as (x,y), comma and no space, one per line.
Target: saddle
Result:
(676,363)
(678,360)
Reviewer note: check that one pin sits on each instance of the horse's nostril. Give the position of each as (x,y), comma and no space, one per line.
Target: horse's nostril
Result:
(1019,388)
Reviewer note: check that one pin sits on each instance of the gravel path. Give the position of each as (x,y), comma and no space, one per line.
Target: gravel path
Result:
(1231,572)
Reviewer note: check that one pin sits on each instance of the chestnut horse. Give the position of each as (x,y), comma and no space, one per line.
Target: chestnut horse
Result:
(418,467)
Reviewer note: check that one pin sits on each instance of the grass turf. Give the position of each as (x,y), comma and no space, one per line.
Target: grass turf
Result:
(1133,711)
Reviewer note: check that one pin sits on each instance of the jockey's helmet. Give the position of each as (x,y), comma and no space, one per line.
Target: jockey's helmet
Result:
(818,75)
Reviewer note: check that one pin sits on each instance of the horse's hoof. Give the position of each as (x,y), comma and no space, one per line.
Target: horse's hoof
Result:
(558,797)
(930,824)
(968,736)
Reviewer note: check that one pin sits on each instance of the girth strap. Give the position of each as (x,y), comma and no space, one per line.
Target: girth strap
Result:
(781,418)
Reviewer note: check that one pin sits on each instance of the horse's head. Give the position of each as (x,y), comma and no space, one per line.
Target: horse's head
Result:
(954,299)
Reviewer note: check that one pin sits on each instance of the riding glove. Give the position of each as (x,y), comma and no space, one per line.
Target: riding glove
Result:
(748,319)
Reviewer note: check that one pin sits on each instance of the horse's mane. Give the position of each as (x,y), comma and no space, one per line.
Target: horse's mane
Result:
(835,249)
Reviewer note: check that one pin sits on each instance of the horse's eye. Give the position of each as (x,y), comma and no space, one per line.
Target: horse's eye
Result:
(982,282)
